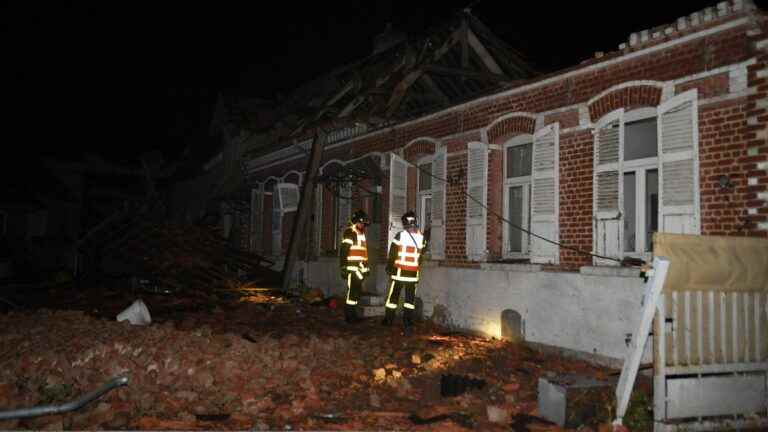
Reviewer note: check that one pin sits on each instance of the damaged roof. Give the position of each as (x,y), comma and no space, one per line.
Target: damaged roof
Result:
(403,78)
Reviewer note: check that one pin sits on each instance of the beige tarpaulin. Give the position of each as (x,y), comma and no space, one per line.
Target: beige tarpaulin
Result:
(713,263)
(715,295)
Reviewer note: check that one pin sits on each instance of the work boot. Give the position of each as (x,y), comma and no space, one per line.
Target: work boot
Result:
(349,314)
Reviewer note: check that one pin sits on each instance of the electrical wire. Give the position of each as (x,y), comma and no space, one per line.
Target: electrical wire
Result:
(491,211)
(510,223)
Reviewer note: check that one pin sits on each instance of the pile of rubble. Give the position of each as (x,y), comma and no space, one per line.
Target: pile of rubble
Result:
(190,257)
(258,366)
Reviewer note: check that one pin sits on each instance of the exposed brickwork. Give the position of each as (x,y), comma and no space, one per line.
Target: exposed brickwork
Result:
(418,149)
(567,119)
(707,87)
(721,152)
(576,150)
(628,98)
(511,126)
(456,209)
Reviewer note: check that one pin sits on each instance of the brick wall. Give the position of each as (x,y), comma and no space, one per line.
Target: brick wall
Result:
(732,135)
(721,153)
(576,150)
(456,208)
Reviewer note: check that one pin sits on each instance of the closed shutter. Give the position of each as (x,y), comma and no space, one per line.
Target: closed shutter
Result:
(678,168)
(289,196)
(477,177)
(544,194)
(257,210)
(437,230)
(345,206)
(277,225)
(608,196)
(398,182)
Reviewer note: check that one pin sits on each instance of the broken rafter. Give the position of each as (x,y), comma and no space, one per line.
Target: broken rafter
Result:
(430,83)
(479,48)
(402,87)
(465,73)
(464,43)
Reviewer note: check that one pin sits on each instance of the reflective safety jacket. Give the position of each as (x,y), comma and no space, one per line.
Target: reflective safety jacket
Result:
(354,252)
(404,256)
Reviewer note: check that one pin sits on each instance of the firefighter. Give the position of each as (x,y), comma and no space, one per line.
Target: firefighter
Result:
(354,262)
(405,253)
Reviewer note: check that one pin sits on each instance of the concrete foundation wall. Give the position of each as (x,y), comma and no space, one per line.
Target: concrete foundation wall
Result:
(592,311)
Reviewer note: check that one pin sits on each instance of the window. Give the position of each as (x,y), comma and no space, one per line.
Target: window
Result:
(641,181)
(517,188)
(646,177)
(424,200)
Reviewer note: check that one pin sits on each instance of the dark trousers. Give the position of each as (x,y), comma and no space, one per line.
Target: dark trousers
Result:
(409,302)
(354,288)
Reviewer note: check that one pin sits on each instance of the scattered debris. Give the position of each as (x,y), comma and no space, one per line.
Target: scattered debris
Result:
(212,417)
(570,400)
(454,385)
(137,314)
(497,414)
(260,362)
(462,419)
(520,422)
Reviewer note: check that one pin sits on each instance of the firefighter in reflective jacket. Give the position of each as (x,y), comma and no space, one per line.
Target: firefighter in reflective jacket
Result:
(405,254)
(354,262)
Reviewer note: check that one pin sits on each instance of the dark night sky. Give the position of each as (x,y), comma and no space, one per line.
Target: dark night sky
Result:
(122,78)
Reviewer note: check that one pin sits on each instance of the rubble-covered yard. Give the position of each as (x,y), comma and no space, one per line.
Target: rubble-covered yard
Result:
(254,360)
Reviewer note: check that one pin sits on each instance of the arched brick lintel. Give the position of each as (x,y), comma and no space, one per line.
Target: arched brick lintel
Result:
(510,125)
(420,147)
(628,97)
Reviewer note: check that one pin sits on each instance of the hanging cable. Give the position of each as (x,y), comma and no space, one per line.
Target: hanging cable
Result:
(508,222)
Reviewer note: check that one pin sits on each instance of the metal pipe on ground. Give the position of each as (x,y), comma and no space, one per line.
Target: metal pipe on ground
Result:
(69,406)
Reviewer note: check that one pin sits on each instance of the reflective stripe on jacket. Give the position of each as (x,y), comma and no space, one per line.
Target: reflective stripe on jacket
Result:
(409,247)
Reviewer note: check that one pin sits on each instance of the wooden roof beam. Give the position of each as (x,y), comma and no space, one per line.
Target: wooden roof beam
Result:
(430,83)
(465,73)
(483,53)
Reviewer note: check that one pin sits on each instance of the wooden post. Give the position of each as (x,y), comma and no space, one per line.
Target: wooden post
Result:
(304,210)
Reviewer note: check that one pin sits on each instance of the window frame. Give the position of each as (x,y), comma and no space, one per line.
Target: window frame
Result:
(423,195)
(640,168)
(507,184)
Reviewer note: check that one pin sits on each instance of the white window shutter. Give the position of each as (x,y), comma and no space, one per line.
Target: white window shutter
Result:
(277,224)
(289,196)
(678,140)
(437,230)
(345,206)
(398,190)
(545,188)
(477,178)
(608,192)
(257,226)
